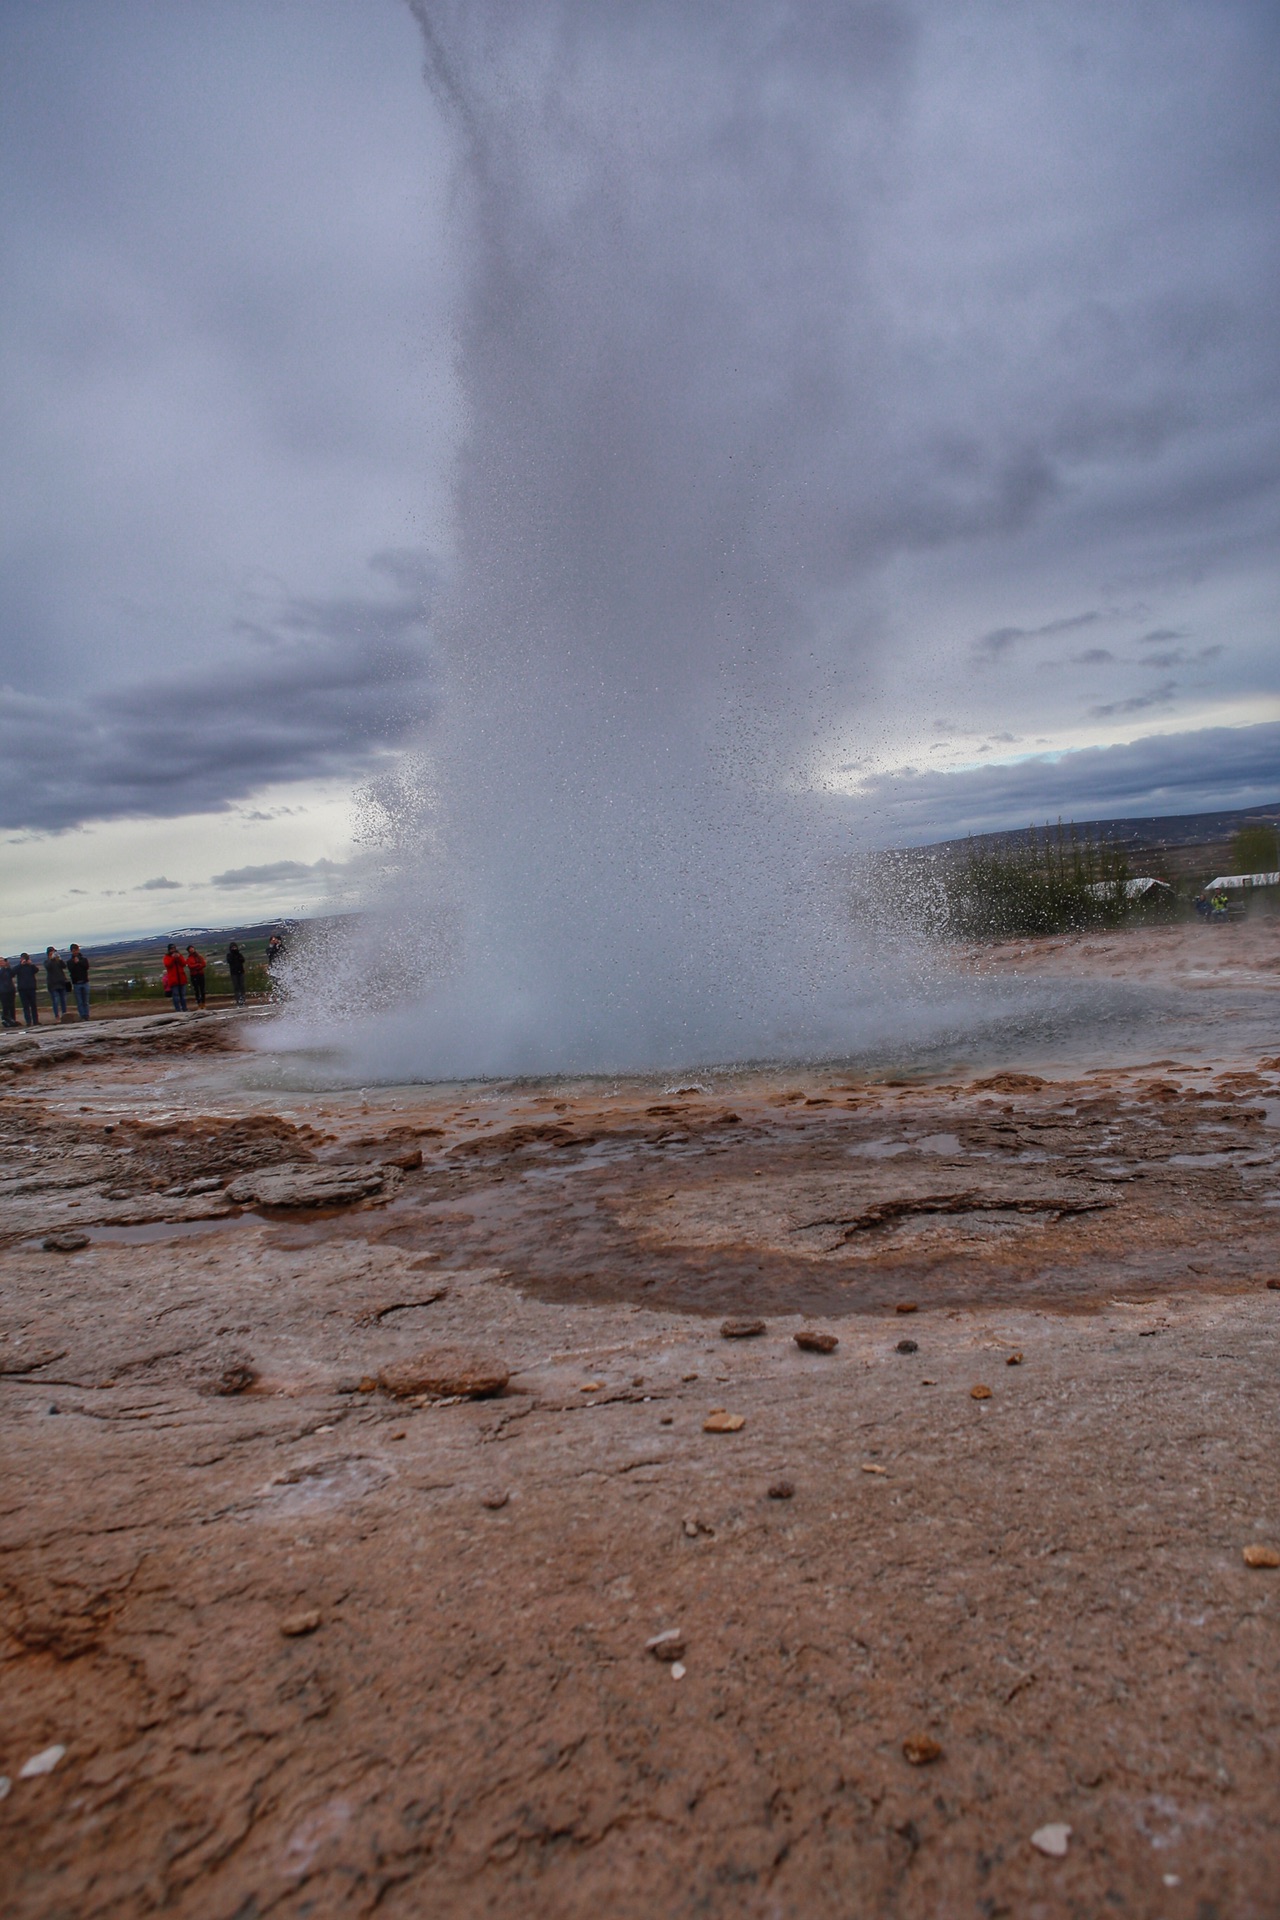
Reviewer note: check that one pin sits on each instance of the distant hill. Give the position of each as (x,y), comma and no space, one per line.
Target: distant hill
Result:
(257,935)
(1188,847)
(114,962)
(1160,831)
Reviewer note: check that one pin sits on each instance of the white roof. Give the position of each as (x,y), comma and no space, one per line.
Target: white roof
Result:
(1133,889)
(1243,880)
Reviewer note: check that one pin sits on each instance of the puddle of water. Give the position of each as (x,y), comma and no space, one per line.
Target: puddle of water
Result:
(941,1143)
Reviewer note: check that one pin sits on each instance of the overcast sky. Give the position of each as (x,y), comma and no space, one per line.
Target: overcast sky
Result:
(232,271)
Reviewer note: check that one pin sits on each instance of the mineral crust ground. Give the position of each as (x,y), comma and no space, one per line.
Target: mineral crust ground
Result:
(369,1544)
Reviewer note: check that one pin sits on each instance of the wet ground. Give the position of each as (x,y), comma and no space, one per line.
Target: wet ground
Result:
(313,1645)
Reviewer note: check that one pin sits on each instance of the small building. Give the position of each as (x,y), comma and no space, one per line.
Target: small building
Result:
(1242,882)
(1142,889)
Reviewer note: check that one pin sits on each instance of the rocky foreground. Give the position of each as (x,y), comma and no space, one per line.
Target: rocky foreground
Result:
(798,1496)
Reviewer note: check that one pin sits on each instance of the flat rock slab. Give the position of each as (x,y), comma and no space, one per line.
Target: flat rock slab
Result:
(300,1186)
(447,1376)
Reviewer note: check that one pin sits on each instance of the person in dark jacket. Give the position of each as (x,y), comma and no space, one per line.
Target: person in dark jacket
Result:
(235,967)
(78,969)
(55,978)
(26,977)
(8,996)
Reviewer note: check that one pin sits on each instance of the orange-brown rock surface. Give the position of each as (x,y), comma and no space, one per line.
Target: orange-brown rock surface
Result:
(312,1649)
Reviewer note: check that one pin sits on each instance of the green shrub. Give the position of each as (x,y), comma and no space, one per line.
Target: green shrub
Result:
(1048,883)
(1255,850)
(1044,883)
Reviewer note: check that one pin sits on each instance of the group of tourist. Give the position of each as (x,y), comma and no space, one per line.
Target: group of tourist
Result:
(20,980)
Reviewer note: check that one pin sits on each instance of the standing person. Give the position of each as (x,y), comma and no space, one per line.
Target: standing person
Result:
(175,978)
(55,978)
(235,967)
(8,996)
(78,969)
(196,964)
(27,978)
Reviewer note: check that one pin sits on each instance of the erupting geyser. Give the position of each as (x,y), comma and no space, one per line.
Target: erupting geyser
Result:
(673,473)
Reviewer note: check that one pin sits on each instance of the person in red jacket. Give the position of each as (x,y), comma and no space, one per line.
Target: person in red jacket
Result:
(195,967)
(175,978)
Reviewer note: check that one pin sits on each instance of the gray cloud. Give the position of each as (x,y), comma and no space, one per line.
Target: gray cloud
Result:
(1161,696)
(1162,774)
(276,873)
(322,689)
(992,646)
(160,885)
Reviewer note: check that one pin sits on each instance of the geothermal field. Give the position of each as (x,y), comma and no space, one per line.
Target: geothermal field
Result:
(834,1490)
(664,1372)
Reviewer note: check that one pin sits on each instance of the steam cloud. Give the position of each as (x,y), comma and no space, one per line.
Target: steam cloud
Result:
(676,477)
(675,470)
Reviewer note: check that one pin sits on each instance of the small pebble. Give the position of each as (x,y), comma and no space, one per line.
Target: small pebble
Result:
(677,1669)
(782,1490)
(1052,1839)
(43,1762)
(921,1749)
(908,1346)
(70,1242)
(1261,1556)
(979,1393)
(813,1340)
(906,1306)
(718,1421)
(740,1329)
(294,1625)
(666,1646)
(496,1500)
(1013,1360)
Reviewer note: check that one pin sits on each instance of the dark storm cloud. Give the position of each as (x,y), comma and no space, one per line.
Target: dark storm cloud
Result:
(1164,774)
(322,689)
(962,280)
